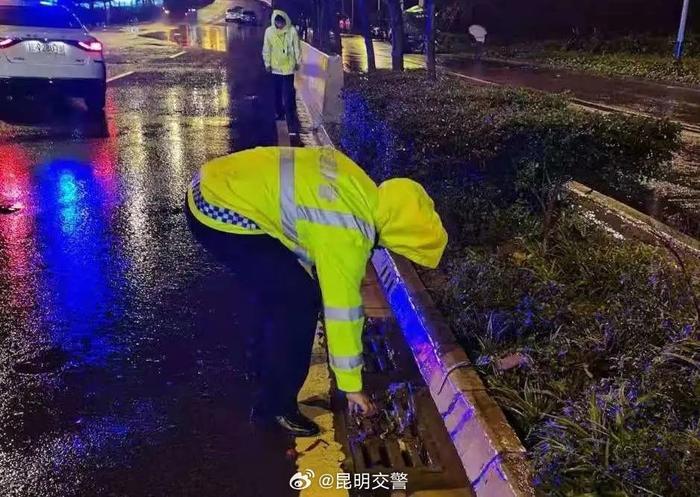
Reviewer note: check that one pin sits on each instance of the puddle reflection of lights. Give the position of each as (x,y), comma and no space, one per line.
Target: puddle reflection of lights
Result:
(207,37)
(17,235)
(67,188)
(135,149)
(82,271)
(176,160)
(68,199)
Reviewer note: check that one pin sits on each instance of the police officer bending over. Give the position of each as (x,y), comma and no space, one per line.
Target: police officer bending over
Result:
(264,210)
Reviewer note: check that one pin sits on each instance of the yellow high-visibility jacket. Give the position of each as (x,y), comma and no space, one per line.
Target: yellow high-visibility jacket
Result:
(318,203)
(281,47)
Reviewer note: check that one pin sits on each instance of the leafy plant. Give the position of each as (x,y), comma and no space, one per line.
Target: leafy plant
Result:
(607,402)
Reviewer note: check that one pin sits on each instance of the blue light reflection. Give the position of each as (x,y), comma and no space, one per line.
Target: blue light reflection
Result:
(82,276)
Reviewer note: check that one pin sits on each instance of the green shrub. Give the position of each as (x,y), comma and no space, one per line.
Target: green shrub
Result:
(606,398)
(529,144)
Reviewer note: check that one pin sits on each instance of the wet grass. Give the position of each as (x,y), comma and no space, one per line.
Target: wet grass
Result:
(612,62)
(589,342)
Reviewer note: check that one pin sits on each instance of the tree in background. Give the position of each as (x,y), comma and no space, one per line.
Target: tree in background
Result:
(365,29)
(334,26)
(430,22)
(324,22)
(397,40)
(512,20)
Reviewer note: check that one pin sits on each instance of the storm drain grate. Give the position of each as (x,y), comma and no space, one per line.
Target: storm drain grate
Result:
(408,434)
(392,441)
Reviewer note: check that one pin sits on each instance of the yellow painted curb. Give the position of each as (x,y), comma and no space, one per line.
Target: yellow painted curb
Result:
(320,454)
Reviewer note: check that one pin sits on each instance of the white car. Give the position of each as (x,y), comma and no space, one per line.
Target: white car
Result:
(234,15)
(45,47)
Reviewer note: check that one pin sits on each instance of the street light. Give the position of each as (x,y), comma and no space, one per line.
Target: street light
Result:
(678,49)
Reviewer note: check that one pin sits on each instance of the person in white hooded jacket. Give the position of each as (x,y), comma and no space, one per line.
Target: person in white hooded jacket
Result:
(282,57)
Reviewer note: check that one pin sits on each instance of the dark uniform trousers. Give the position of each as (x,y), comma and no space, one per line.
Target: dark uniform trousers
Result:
(290,303)
(285,98)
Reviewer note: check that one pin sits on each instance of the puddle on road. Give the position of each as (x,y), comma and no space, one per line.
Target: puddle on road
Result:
(207,37)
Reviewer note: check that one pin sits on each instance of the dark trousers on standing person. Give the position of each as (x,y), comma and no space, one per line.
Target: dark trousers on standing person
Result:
(286,302)
(286,99)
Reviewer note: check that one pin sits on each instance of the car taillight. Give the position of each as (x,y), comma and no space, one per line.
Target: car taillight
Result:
(7,42)
(90,45)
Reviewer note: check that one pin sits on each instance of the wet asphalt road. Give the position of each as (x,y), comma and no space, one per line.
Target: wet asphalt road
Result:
(121,365)
(659,100)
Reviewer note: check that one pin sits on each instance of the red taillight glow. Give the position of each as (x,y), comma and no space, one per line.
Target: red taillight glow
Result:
(91,46)
(6,42)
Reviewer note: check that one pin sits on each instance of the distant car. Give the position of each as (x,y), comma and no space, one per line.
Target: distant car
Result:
(234,14)
(249,17)
(46,47)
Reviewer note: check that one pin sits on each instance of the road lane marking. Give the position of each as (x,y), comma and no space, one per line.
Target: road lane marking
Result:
(472,78)
(175,56)
(120,76)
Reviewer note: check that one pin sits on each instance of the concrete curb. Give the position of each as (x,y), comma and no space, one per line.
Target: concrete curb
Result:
(493,458)
(632,223)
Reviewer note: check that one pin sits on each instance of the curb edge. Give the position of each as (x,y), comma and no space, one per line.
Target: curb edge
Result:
(494,459)
(634,223)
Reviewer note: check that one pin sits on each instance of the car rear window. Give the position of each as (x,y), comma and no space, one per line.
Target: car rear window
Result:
(38,16)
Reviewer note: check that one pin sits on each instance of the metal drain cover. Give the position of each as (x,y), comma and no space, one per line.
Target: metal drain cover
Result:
(408,434)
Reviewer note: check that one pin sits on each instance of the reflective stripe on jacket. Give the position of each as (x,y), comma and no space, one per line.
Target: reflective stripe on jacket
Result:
(318,203)
(281,47)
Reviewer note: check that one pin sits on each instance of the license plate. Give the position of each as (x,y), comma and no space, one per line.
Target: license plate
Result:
(51,48)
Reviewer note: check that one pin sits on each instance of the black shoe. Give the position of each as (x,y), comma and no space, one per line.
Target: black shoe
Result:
(297,424)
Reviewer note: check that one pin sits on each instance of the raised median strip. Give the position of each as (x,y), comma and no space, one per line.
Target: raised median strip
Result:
(491,454)
(489,450)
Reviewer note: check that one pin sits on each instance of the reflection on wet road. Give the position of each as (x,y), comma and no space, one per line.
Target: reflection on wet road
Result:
(120,375)
(355,55)
(208,37)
